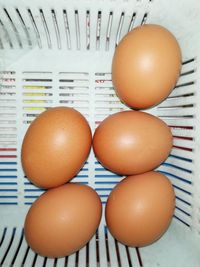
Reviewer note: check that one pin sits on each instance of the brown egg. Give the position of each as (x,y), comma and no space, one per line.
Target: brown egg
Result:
(140,208)
(55,147)
(132,142)
(146,66)
(63,220)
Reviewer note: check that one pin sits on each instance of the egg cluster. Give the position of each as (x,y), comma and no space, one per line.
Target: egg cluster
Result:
(145,69)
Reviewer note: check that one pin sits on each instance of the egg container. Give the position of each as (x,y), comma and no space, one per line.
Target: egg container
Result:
(59,53)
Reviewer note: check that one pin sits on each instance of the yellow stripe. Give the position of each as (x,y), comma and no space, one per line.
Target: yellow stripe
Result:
(34,101)
(33,87)
(34,94)
(34,108)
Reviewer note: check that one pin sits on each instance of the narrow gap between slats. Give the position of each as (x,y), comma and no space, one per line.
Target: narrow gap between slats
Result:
(3,236)
(78,41)
(56,27)
(67,30)
(139,257)
(108,31)
(35,28)
(121,21)
(18,248)
(7,36)
(8,248)
(117,253)
(14,28)
(24,27)
(44,23)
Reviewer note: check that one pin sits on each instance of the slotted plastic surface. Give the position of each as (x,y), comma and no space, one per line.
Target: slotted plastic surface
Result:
(55,54)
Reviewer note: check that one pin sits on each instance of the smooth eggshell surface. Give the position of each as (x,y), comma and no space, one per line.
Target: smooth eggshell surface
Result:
(132,142)
(55,147)
(140,209)
(63,220)
(146,66)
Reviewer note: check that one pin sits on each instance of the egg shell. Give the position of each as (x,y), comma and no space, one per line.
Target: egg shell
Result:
(146,65)
(55,147)
(62,220)
(140,208)
(132,142)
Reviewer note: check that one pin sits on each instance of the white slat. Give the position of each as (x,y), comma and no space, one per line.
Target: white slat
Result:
(174,112)
(180,163)
(177,172)
(183,90)
(6,242)
(187,78)
(133,256)
(39,261)
(183,216)
(102,245)
(49,263)
(178,101)
(182,153)
(187,122)
(92,252)
(182,132)
(183,143)
(29,259)
(112,250)
(180,204)
(60,262)
(123,255)
(21,254)
(82,257)
(72,260)
(186,197)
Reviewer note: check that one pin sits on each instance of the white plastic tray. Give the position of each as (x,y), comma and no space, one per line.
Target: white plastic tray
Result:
(59,53)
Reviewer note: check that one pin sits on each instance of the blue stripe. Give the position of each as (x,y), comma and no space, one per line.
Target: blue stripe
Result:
(181,189)
(8,183)
(8,203)
(83,182)
(108,176)
(31,196)
(8,190)
(8,176)
(175,176)
(103,195)
(8,170)
(177,167)
(100,169)
(35,190)
(82,176)
(8,196)
(103,189)
(28,203)
(181,220)
(183,201)
(8,163)
(182,158)
(106,182)
(183,211)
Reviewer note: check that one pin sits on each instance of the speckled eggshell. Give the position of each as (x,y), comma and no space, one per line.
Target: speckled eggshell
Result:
(146,65)
(63,220)
(55,147)
(132,142)
(140,208)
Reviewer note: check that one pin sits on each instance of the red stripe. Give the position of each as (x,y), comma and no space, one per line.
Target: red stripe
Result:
(183,148)
(8,156)
(8,149)
(183,137)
